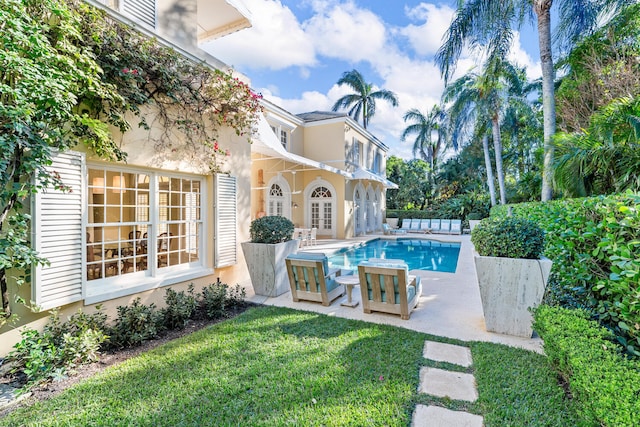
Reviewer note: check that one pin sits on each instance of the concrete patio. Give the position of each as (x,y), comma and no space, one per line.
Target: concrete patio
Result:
(450,305)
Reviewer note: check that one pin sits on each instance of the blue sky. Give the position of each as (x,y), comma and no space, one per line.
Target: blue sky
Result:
(297,50)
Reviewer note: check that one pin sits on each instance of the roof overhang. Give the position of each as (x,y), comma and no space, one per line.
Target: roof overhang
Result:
(267,144)
(217,18)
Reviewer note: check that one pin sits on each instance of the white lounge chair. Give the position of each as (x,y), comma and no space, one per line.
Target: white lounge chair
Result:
(425,226)
(435,225)
(445,226)
(456,226)
(406,224)
(415,226)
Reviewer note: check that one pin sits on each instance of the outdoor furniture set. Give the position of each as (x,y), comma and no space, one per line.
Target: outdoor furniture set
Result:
(385,285)
(441,226)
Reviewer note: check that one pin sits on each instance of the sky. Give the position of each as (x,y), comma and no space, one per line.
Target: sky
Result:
(296,51)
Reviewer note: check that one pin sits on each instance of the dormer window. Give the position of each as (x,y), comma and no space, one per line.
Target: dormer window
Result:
(283,138)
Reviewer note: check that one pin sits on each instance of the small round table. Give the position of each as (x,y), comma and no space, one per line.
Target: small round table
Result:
(349,282)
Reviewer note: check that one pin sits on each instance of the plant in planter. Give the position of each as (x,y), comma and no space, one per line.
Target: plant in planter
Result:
(271,242)
(512,274)
(474,219)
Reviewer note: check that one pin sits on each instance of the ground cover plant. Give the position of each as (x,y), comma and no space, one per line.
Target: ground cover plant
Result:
(276,366)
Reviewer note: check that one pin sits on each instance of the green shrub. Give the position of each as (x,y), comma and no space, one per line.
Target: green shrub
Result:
(60,347)
(604,383)
(180,308)
(475,216)
(271,229)
(135,324)
(595,245)
(509,237)
(218,297)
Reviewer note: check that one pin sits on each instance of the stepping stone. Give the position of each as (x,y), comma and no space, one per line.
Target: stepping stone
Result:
(435,416)
(441,383)
(449,353)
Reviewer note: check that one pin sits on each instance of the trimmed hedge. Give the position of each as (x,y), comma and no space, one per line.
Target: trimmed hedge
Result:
(595,246)
(508,237)
(604,383)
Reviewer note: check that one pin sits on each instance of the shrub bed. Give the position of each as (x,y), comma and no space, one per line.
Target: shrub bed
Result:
(604,382)
(595,245)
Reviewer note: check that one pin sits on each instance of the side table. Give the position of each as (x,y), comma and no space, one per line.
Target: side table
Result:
(349,282)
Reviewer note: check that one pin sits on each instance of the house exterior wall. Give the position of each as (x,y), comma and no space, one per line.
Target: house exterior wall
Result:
(145,155)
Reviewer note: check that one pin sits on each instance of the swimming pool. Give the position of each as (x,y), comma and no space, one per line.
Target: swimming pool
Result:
(419,254)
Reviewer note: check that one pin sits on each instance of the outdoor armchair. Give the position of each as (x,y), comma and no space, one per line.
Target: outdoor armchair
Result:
(386,286)
(311,280)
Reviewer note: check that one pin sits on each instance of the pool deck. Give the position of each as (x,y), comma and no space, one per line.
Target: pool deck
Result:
(450,304)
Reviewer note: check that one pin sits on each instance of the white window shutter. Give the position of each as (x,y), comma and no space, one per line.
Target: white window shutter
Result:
(57,235)
(141,10)
(226,220)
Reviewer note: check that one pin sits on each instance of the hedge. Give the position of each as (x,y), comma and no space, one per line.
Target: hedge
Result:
(604,383)
(595,246)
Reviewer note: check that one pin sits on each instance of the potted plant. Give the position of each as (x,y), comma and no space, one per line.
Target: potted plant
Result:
(474,219)
(512,273)
(271,242)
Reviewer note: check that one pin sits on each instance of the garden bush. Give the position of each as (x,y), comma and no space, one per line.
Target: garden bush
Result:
(218,298)
(604,382)
(60,347)
(595,245)
(508,237)
(180,308)
(135,324)
(271,229)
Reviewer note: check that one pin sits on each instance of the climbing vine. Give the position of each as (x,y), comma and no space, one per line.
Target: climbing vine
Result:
(69,73)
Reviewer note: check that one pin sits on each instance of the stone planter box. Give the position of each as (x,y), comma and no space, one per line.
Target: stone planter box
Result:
(473,223)
(393,222)
(509,287)
(266,266)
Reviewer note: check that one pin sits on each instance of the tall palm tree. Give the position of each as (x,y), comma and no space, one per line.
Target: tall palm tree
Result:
(363,101)
(488,25)
(430,135)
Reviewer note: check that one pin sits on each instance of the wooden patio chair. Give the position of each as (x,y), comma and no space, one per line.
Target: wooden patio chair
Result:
(385,286)
(311,280)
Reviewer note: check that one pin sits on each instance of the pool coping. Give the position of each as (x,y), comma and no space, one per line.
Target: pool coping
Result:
(450,304)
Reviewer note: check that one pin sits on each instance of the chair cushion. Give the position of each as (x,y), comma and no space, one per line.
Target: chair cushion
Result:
(310,256)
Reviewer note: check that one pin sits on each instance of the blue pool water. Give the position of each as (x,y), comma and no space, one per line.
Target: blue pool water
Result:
(418,254)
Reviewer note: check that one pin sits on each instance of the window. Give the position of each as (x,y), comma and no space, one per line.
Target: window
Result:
(135,217)
(356,147)
(283,138)
(276,201)
(377,163)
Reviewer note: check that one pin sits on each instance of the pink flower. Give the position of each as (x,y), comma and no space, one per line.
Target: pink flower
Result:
(215,146)
(227,153)
(125,70)
(381,378)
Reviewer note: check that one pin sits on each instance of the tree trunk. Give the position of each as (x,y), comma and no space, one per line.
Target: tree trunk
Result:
(487,163)
(542,9)
(497,146)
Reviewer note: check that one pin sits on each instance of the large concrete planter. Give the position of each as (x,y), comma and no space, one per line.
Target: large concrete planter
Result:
(266,266)
(473,223)
(509,287)
(393,222)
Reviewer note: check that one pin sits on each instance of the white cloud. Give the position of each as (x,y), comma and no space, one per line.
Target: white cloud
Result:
(426,38)
(344,31)
(519,56)
(275,41)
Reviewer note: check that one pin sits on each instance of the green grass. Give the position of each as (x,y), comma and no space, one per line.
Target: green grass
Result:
(277,367)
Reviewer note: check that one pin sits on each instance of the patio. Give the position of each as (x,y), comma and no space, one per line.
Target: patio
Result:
(450,304)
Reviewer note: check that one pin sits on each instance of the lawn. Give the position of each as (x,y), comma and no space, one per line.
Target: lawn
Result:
(276,367)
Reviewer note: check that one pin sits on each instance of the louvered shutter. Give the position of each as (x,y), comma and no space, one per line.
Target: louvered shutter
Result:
(57,235)
(226,218)
(141,10)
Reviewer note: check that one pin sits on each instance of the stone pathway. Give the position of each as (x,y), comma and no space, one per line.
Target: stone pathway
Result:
(443,383)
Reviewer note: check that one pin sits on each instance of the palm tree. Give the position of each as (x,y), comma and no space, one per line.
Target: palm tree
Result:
(363,101)
(430,131)
(488,24)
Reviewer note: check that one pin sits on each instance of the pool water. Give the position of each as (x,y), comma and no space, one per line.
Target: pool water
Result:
(419,254)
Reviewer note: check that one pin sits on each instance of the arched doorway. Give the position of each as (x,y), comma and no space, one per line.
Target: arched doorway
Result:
(320,197)
(279,197)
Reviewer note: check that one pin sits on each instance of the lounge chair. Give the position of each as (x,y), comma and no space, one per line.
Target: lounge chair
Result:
(311,280)
(388,230)
(456,226)
(415,226)
(385,286)
(406,224)
(435,225)
(425,226)
(445,226)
